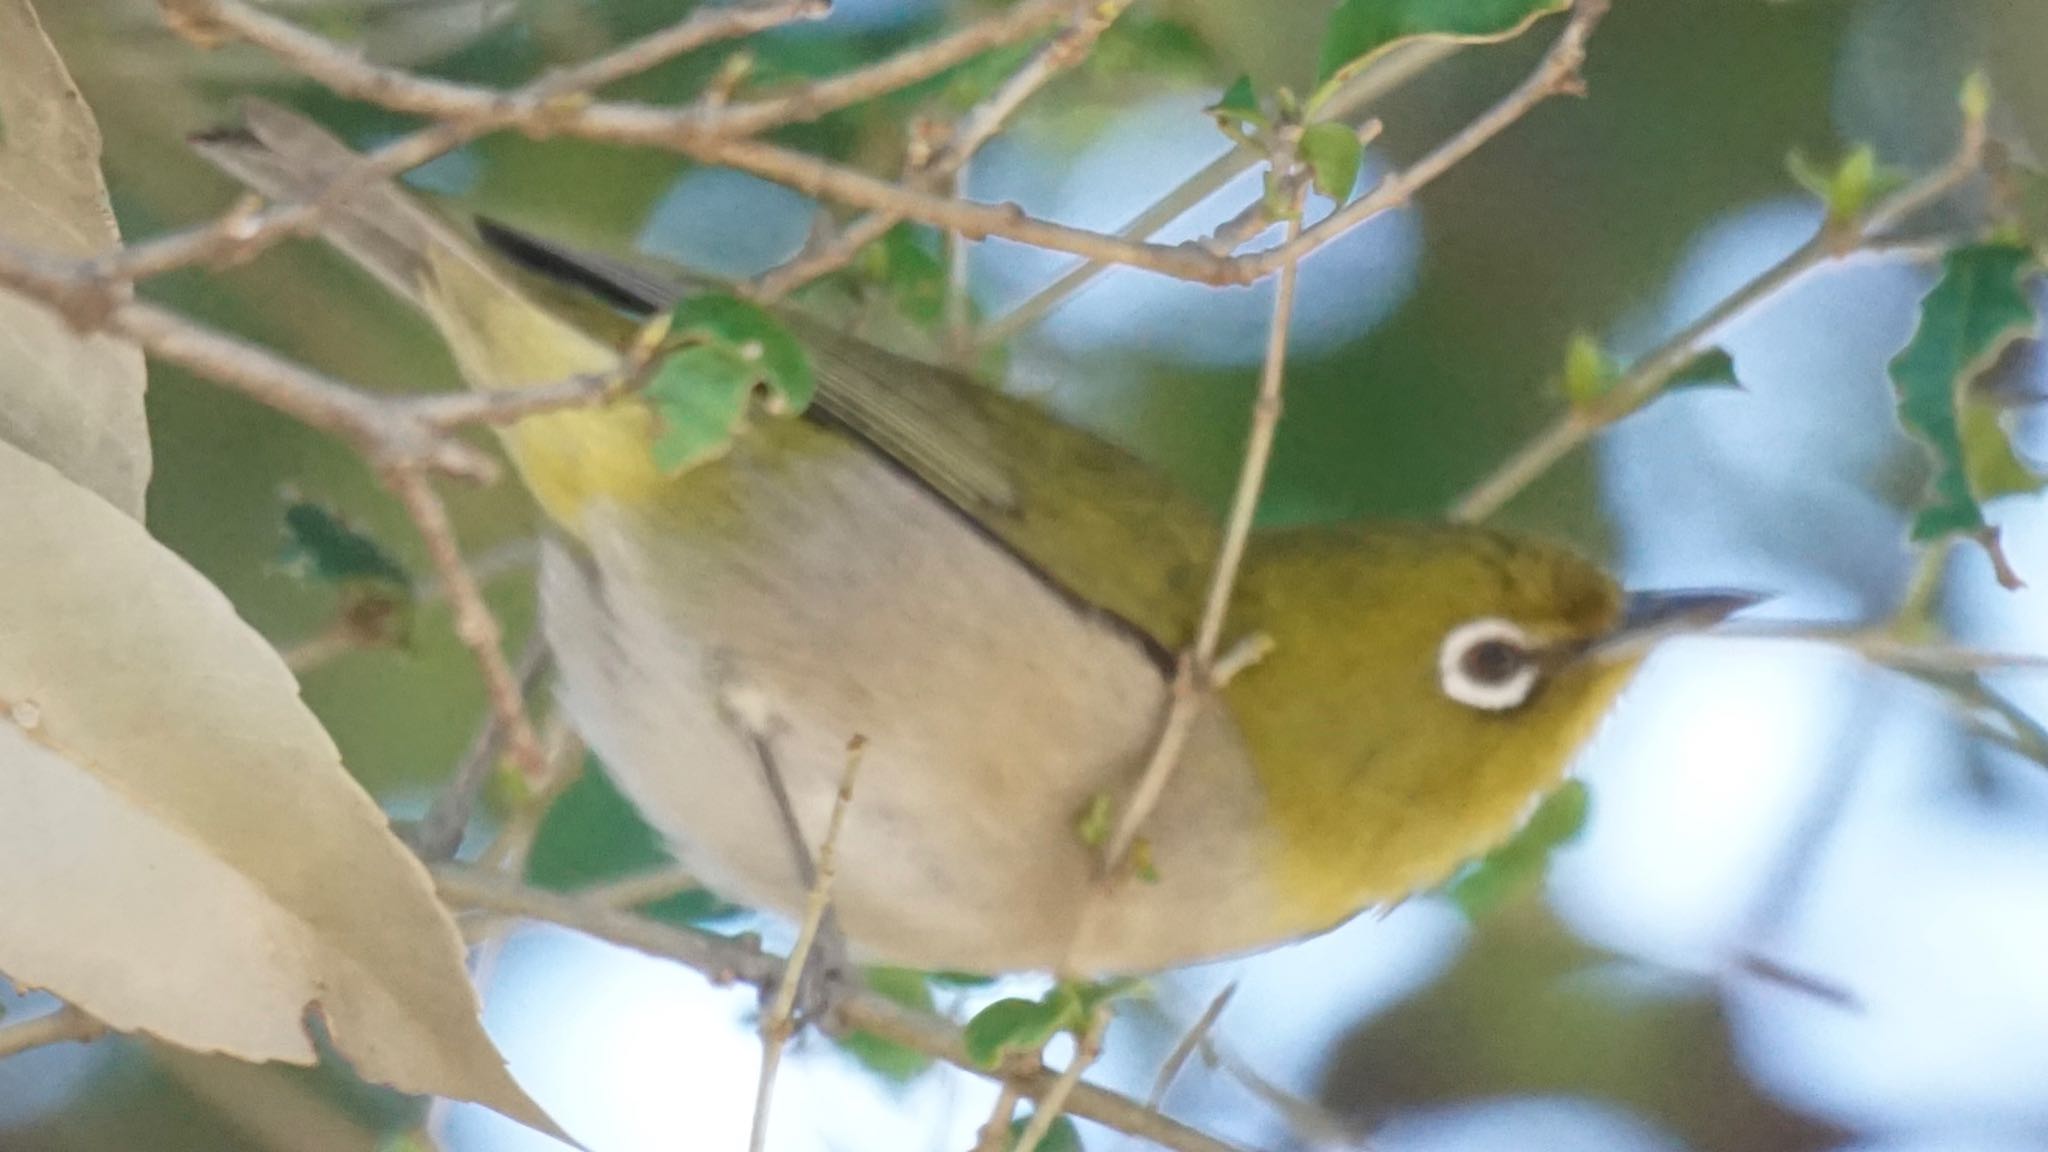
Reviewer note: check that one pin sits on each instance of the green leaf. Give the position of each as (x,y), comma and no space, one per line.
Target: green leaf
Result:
(1516,865)
(1848,190)
(1333,152)
(320,545)
(1361,30)
(1060,1136)
(1013,1025)
(909,270)
(593,835)
(1972,314)
(886,1058)
(726,352)
(1589,372)
(377,601)
(1713,368)
(1239,102)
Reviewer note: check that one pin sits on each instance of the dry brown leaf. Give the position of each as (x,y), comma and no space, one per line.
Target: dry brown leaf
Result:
(75,402)
(185,855)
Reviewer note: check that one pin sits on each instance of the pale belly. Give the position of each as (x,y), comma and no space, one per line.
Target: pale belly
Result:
(843,601)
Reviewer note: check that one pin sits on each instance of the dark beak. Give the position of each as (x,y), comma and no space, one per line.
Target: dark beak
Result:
(1686,610)
(1652,616)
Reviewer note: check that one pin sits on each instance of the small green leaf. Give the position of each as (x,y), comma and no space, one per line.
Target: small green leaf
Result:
(886,1058)
(1975,97)
(1713,368)
(909,270)
(1092,826)
(1513,867)
(1060,1136)
(1359,31)
(320,545)
(1972,314)
(1239,102)
(1589,372)
(726,351)
(1012,1025)
(1333,152)
(1850,188)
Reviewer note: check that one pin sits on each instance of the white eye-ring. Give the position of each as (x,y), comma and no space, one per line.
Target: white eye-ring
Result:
(1488,664)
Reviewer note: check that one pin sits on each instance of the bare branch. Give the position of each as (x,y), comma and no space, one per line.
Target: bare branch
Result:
(475,625)
(943,166)
(1647,378)
(780,1022)
(1087,1047)
(1400,66)
(646,126)
(438,834)
(729,960)
(1192,684)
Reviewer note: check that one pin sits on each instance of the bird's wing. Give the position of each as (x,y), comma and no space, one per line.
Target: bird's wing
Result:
(1106,528)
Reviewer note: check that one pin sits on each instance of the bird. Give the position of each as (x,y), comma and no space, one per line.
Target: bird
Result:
(996,604)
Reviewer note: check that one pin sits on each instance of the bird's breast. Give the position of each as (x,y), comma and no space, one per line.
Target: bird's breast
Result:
(801,592)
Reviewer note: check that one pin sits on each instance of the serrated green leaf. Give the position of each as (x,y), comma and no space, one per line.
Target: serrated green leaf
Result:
(1012,1025)
(727,351)
(1713,368)
(1062,1135)
(1972,314)
(593,835)
(1359,31)
(320,545)
(1333,152)
(1513,867)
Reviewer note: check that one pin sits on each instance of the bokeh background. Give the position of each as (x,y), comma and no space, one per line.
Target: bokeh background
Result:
(1754,804)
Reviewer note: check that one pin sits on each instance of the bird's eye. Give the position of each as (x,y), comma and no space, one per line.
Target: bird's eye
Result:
(1488,664)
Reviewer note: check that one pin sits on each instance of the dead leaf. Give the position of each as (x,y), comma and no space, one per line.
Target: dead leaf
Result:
(73,401)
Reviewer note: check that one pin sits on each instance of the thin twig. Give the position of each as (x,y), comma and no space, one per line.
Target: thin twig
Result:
(1400,66)
(1647,378)
(1192,684)
(943,167)
(642,888)
(780,1022)
(66,1025)
(239,237)
(995,1135)
(475,624)
(640,125)
(438,834)
(729,959)
(1196,1035)
(1087,1047)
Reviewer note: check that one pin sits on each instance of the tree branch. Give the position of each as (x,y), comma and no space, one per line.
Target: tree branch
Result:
(1648,377)
(726,960)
